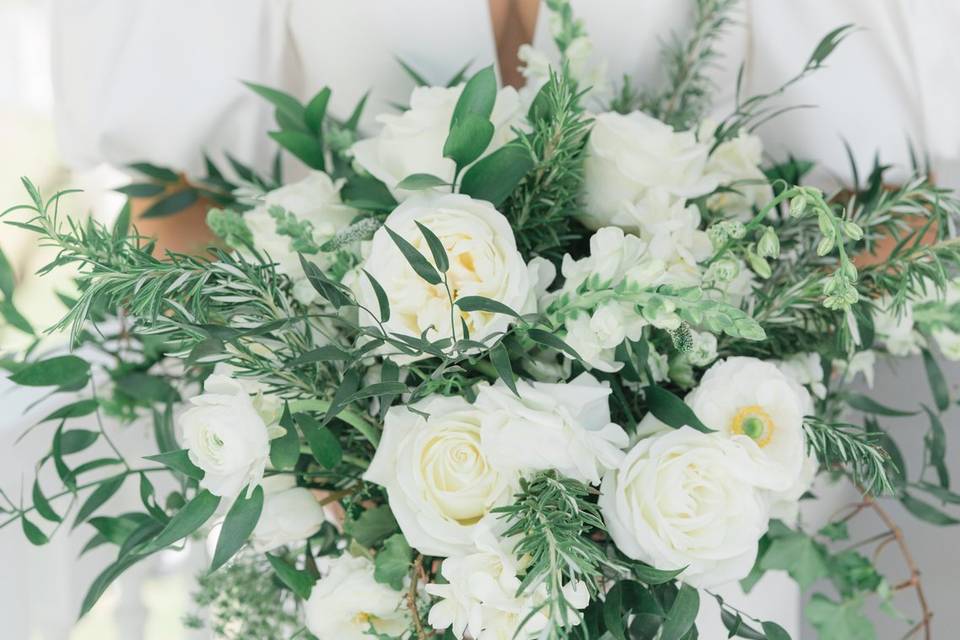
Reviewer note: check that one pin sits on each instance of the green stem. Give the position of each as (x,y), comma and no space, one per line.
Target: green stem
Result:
(351,417)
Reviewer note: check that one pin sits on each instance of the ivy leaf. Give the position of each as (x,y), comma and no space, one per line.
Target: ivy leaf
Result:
(415,259)
(285,450)
(670,409)
(839,621)
(61,371)
(392,562)
(237,526)
(191,517)
(801,556)
(682,614)
(437,249)
(938,386)
(300,582)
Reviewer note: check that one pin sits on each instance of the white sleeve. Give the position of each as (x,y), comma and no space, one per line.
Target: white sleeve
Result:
(161,81)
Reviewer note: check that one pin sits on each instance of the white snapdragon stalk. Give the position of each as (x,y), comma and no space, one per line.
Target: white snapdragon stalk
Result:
(412,141)
(480,597)
(703,351)
(896,331)
(564,426)
(686,499)
(441,485)
(227,435)
(484,261)
(862,363)
(314,200)
(736,164)
(806,369)
(290,515)
(348,603)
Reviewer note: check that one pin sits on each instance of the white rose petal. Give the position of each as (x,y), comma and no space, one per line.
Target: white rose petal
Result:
(412,142)
(682,498)
(440,483)
(565,427)
(348,601)
(290,515)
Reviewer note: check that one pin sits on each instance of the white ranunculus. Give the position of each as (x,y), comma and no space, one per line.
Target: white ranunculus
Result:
(484,261)
(736,163)
(682,498)
(412,141)
(347,603)
(227,380)
(563,426)
(439,481)
(480,598)
(628,155)
(226,436)
(759,407)
(290,515)
(316,200)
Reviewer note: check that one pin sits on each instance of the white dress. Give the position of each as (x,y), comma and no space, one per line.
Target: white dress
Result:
(160,81)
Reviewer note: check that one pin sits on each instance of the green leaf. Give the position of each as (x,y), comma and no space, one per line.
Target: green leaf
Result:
(415,259)
(468,139)
(33,532)
(354,120)
(116,530)
(104,491)
(76,409)
(105,579)
(326,353)
(240,522)
(651,575)
(14,318)
(926,512)
(121,226)
(141,190)
(835,531)
(379,389)
(829,42)
(500,360)
(481,303)
(392,562)
(171,204)
(178,461)
(671,410)
(682,614)
(437,249)
(839,621)
(382,301)
(300,582)
(42,505)
(304,146)
(418,79)
(495,177)
(341,397)
(76,440)
(773,631)
(372,526)
(938,385)
(323,444)
(801,556)
(7,277)
(62,371)
(418,181)
(316,110)
(612,612)
(284,102)
(330,290)
(153,171)
(146,388)
(285,450)
(478,96)
(547,339)
(936,444)
(191,517)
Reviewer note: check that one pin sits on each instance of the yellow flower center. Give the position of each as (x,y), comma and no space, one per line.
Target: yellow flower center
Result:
(755,423)
(362,618)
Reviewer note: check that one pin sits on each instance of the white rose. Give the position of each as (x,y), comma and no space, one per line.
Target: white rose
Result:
(290,515)
(412,142)
(316,200)
(348,602)
(440,483)
(736,163)
(682,498)
(563,426)
(226,436)
(484,261)
(756,405)
(628,155)
(480,598)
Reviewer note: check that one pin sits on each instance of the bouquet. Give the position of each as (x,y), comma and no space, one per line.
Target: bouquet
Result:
(541,364)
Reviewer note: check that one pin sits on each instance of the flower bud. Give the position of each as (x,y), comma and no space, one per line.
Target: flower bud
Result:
(825,246)
(769,244)
(798,204)
(759,265)
(852,230)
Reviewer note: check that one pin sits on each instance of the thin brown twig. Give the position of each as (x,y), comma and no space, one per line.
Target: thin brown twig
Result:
(416,574)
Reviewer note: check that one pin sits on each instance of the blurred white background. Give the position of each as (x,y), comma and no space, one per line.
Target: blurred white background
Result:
(41,588)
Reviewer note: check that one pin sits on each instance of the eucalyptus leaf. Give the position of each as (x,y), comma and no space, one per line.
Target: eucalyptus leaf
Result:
(240,522)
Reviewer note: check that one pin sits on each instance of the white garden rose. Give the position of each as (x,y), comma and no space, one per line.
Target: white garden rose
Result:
(484,261)
(348,603)
(290,515)
(226,436)
(314,200)
(563,426)
(412,141)
(736,163)
(682,498)
(629,155)
(479,598)
(440,484)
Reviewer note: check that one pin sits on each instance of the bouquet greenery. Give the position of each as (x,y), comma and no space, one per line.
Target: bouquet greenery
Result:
(540,364)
